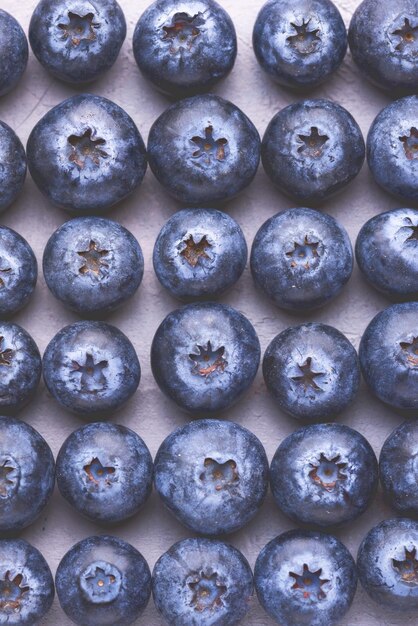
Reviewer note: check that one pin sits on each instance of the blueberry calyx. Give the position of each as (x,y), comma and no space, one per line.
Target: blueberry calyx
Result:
(207,590)
(93,259)
(405,35)
(408,568)
(307,376)
(208,360)
(193,250)
(209,147)
(328,472)
(85,147)
(305,40)
(9,476)
(309,583)
(101,582)
(12,589)
(92,378)
(98,475)
(305,254)
(6,354)
(219,475)
(410,348)
(79,28)
(182,31)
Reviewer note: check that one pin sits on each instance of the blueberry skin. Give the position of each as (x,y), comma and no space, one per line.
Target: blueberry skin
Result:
(91,368)
(28,482)
(301,259)
(212,154)
(199,253)
(387,253)
(379,47)
(204,356)
(299,43)
(105,472)
(77,42)
(202,582)
(126,577)
(26,584)
(12,164)
(212,475)
(311,149)
(93,265)
(324,474)
(387,566)
(312,370)
(398,468)
(280,567)
(14,52)
(388,359)
(18,271)
(86,167)
(391,153)
(20,367)
(184,48)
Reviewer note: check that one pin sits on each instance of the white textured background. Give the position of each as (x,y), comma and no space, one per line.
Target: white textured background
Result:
(144,213)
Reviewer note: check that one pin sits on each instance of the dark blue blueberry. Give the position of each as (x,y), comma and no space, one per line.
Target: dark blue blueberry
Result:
(93,265)
(185,47)
(398,467)
(311,149)
(18,271)
(202,582)
(383,39)
(27,476)
(86,154)
(301,259)
(91,368)
(299,43)
(312,370)
(324,474)
(389,356)
(204,356)
(203,150)
(199,253)
(14,52)
(20,367)
(392,148)
(26,584)
(12,163)
(388,565)
(305,578)
(105,472)
(212,475)
(387,253)
(77,41)
(103,581)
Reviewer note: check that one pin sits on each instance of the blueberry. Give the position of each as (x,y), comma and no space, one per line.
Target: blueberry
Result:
(91,368)
(387,253)
(86,154)
(204,356)
(387,564)
(305,578)
(202,582)
(199,253)
(27,475)
(20,367)
(12,163)
(399,470)
(212,475)
(389,356)
(203,150)
(26,584)
(299,43)
(392,148)
(312,370)
(383,43)
(18,271)
(105,472)
(185,47)
(301,259)
(77,41)
(324,474)
(93,265)
(103,581)
(14,52)
(311,149)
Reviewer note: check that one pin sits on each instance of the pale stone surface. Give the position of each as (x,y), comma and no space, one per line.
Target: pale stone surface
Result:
(149,413)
